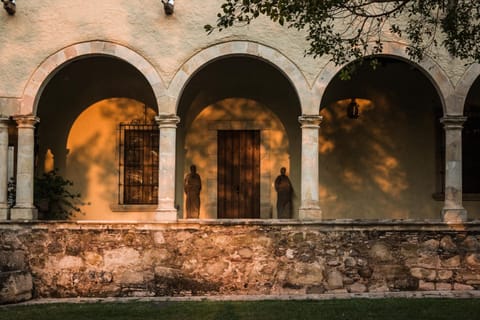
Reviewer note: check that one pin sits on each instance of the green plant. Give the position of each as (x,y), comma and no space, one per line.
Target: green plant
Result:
(53,198)
(11,192)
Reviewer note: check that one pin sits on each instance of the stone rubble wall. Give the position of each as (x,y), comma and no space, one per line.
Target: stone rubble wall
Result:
(188,259)
(15,278)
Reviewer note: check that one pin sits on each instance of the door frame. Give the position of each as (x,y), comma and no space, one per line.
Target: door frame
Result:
(272,157)
(213,126)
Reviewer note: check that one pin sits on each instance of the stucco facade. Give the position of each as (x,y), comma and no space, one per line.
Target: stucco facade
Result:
(380,202)
(60,59)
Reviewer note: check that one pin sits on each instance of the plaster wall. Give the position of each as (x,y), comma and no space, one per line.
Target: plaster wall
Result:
(45,27)
(92,160)
(377,166)
(388,159)
(166,41)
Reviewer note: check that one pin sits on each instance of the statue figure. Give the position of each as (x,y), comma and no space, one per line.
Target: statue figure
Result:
(284,189)
(192,187)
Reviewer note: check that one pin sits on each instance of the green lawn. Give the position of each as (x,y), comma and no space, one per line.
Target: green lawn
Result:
(390,309)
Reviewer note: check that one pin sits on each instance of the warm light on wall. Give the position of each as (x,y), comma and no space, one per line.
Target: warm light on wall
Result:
(9,6)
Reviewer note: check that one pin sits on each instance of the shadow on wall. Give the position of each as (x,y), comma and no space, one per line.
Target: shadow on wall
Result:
(381,165)
(235,114)
(92,162)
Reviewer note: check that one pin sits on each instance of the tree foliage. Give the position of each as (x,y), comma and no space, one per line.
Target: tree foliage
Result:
(351,29)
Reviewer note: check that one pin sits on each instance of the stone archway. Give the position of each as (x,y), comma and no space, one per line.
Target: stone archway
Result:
(53,64)
(463,87)
(236,48)
(427,66)
(467,93)
(230,78)
(52,93)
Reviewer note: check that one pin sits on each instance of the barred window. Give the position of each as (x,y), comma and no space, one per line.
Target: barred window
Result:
(138,162)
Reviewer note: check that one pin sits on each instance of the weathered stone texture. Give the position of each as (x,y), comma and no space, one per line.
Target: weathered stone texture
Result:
(15,286)
(158,260)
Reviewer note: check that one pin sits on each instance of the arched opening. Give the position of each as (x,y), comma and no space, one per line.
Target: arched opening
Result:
(81,109)
(379,149)
(238,94)
(471,151)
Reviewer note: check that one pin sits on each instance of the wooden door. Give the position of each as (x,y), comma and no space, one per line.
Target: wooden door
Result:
(238,174)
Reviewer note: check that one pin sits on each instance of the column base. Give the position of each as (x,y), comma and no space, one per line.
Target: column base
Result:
(456,215)
(314,213)
(23,213)
(166,215)
(4,213)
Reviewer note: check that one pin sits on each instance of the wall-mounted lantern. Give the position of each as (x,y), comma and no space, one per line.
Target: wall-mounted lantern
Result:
(168,6)
(352,109)
(9,6)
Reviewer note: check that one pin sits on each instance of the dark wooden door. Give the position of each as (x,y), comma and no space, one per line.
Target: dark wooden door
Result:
(238,174)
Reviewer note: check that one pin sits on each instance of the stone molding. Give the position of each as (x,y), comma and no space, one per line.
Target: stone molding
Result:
(4,121)
(310,121)
(241,48)
(167,121)
(26,121)
(453,122)
(193,224)
(53,63)
(464,86)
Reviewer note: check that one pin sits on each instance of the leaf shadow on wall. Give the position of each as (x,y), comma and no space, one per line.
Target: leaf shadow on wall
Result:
(374,166)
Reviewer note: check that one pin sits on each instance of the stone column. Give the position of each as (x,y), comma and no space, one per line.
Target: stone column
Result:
(453,210)
(167,124)
(24,208)
(309,205)
(3,167)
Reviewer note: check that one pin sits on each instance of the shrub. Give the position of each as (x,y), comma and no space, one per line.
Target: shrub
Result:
(53,198)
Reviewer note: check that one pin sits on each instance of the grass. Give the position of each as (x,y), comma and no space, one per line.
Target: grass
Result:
(391,309)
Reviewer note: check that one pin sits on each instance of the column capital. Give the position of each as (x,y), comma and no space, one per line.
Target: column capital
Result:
(4,120)
(28,121)
(310,120)
(453,122)
(167,120)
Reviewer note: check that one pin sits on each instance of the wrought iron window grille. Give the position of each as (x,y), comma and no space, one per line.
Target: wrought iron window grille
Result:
(138,163)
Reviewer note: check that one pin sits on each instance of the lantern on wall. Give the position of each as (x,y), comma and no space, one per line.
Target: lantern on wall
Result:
(9,6)
(352,109)
(168,6)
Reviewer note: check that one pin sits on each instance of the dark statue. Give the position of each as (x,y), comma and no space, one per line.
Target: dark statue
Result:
(192,187)
(284,189)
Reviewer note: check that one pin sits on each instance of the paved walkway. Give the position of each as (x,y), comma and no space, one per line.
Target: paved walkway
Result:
(379,295)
